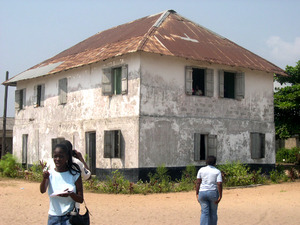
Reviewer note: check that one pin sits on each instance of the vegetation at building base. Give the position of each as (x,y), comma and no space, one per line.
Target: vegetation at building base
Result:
(284,155)
(234,174)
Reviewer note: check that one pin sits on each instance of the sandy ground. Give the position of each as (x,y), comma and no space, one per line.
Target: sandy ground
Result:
(21,203)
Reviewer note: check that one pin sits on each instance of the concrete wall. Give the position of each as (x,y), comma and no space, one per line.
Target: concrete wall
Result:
(86,110)
(169,117)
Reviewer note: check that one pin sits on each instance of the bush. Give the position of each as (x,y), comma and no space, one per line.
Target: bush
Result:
(278,175)
(238,174)
(160,182)
(9,166)
(284,155)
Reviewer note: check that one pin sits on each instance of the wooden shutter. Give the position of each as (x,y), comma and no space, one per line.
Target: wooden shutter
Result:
(209,82)
(117,144)
(263,143)
(42,94)
(221,83)
(212,145)
(17,100)
(107,82)
(63,90)
(108,144)
(255,145)
(23,98)
(124,79)
(197,144)
(188,80)
(239,86)
(35,96)
(24,148)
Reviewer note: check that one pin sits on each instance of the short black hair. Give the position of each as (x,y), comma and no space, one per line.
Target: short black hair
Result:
(211,160)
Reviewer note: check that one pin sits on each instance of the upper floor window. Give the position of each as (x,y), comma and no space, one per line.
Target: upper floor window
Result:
(39,95)
(62,91)
(20,99)
(199,81)
(114,80)
(231,85)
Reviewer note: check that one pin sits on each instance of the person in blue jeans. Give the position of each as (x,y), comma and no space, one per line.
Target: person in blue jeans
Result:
(209,191)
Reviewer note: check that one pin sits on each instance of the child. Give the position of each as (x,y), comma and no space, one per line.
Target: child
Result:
(65,186)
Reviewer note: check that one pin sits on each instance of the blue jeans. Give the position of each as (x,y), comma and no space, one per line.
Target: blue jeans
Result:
(208,207)
(58,220)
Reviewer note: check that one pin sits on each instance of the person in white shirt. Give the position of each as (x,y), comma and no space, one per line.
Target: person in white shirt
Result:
(209,191)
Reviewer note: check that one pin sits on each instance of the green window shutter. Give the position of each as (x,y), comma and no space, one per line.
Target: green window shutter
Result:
(188,80)
(24,148)
(42,97)
(35,96)
(108,144)
(63,90)
(124,79)
(117,73)
(197,144)
(209,82)
(212,145)
(23,98)
(221,83)
(107,82)
(255,145)
(239,86)
(17,100)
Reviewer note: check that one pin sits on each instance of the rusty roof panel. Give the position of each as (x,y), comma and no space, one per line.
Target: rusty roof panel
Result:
(166,33)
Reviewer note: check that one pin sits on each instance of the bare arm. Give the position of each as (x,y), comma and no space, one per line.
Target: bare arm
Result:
(198,183)
(45,182)
(220,190)
(78,196)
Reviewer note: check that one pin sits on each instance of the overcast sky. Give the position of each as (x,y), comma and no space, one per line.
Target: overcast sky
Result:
(32,31)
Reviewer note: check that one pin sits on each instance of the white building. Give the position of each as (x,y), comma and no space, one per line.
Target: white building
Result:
(158,90)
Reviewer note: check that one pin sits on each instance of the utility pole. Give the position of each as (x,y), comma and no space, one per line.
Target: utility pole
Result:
(4,118)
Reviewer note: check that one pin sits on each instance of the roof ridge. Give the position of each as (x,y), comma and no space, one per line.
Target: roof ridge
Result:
(156,25)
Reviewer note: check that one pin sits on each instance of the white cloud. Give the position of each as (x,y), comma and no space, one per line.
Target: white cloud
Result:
(282,52)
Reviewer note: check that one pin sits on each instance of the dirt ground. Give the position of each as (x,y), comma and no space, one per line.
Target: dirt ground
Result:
(21,203)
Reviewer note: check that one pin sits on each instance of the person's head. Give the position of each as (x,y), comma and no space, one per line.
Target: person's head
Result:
(211,160)
(61,157)
(68,144)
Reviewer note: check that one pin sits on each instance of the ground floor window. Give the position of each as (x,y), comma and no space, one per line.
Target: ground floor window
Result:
(90,143)
(257,145)
(24,149)
(204,145)
(112,144)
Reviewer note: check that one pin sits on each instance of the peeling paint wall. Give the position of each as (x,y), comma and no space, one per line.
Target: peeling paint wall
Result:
(169,117)
(86,110)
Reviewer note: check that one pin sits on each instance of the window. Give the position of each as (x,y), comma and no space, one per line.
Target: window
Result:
(112,144)
(199,81)
(62,91)
(204,145)
(56,141)
(20,99)
(114,80)
(231,85)
(90,145)
(39,95)
(257,145)
(24,149)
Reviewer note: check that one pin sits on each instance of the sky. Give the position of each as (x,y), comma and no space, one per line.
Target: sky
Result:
(32,31)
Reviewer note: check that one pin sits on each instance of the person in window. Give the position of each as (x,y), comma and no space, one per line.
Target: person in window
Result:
(209,191)
(64,186)
(198,91)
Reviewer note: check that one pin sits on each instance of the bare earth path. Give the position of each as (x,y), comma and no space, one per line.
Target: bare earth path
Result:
(21,203)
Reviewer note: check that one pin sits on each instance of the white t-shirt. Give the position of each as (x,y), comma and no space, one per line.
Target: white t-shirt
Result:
(58,182)
(210,175)
(85,173)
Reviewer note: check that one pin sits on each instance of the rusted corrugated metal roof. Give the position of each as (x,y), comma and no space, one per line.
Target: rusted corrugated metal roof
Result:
(166,33)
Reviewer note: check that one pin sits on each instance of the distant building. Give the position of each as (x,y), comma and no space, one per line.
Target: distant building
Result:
(9,133)
(158,90)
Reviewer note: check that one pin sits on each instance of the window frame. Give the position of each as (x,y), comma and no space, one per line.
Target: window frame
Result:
(239,84)
(39,95)
(62,91)
(111,148)
(210,145)
(257,145)
(20,99)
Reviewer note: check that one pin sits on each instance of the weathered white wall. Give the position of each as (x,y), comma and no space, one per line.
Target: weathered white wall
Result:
(86,110)
(169,117)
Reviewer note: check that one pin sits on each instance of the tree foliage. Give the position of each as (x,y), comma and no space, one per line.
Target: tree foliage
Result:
(287,104)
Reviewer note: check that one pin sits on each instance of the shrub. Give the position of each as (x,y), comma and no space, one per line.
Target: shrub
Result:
(287,155)
(160,182)
(238,174)
(9,166)
(278,175)
(116,184)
